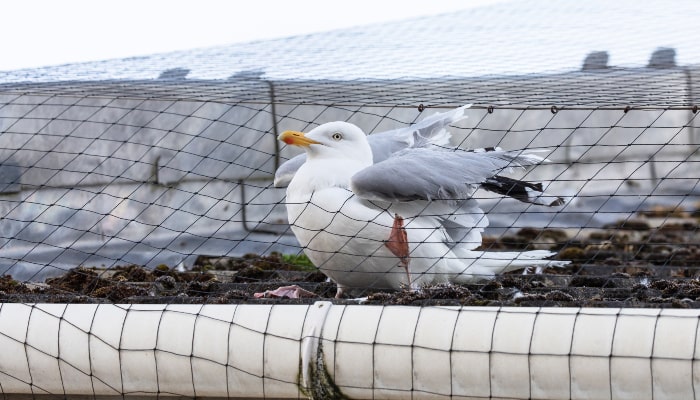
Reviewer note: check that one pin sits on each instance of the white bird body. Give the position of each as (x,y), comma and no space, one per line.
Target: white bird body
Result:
(361,259)
(343,218)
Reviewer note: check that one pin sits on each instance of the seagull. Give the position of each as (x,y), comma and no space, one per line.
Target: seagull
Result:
(408,217)
(430,132)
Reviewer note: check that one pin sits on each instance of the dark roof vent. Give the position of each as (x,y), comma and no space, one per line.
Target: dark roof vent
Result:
(595,60)
(249,74)
(663,57)
(174,73)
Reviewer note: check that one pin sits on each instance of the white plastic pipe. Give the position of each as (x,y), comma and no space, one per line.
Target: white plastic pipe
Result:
(324,350)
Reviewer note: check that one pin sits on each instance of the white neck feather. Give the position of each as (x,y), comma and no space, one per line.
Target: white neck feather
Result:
(324,173)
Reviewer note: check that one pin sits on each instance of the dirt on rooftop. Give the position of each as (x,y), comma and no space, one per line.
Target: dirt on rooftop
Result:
(649,261)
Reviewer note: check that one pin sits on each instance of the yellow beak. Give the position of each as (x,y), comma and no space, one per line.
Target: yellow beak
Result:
(296,139)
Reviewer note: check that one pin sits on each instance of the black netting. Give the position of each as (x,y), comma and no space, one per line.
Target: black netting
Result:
(145,249)
(127,176)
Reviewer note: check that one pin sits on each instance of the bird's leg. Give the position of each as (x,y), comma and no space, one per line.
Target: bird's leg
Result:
(398,244)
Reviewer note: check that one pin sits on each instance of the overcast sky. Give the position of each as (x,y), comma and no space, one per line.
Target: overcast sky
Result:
(48,32)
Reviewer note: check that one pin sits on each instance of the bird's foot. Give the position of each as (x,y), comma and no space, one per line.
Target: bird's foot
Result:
(292,292)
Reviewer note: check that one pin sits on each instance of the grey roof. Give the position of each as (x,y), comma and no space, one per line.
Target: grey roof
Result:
(615,88)
(510,38)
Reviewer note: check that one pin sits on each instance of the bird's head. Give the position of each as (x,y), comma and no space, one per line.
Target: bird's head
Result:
(337,140)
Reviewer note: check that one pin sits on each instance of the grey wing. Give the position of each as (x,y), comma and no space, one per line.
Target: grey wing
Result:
(434,125)
(428,174)
(286,171)
(427,132)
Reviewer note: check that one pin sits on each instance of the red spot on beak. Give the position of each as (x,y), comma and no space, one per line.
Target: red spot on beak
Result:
(296,139)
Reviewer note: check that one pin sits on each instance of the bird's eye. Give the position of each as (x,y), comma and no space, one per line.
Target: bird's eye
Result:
(337,136)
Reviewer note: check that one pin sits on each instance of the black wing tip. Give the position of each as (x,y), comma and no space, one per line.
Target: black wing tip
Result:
(527,192)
